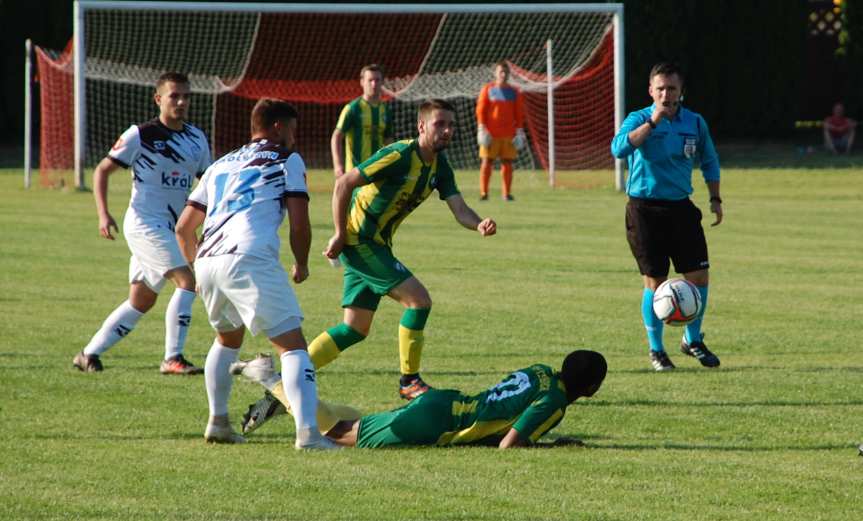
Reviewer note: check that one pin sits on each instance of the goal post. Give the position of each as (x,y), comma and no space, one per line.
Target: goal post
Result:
(311,54)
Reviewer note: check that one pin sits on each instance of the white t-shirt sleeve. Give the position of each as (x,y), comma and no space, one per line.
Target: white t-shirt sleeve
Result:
(127,148)
(295,177)
(198,197)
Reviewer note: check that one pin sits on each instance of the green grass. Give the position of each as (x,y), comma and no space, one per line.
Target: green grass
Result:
(771,435)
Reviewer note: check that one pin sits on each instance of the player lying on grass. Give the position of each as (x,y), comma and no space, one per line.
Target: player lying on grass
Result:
(516,412)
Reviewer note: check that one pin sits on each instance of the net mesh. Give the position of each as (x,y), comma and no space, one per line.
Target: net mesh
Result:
(313,60)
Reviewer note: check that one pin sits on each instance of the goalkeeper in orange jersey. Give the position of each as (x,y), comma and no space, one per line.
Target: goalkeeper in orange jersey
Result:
(500,134)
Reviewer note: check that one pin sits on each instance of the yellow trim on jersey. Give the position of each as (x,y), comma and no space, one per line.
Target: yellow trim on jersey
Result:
(460,408)
(363,132)
(365,196)
(477,431)
(546,425)
(366,125)
(370,170)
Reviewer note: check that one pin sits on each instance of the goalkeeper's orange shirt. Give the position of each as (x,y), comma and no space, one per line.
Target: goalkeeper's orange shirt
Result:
(501,109)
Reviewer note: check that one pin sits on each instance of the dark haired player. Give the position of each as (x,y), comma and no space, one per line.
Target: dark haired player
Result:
(516,412)
(662,143)
(241,202)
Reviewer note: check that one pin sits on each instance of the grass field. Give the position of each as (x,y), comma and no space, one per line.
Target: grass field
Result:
(771,435)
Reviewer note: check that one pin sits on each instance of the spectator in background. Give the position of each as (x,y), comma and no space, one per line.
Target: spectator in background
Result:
(839,131)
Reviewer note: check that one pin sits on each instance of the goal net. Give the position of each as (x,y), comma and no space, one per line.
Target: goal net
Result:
(234,55)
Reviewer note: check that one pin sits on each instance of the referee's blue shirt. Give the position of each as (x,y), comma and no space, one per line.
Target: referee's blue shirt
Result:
(661,168)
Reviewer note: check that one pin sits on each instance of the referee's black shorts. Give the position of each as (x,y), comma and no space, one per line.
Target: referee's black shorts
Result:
(659,231)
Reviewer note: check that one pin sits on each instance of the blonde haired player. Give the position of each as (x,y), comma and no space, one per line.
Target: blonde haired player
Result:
(165,155)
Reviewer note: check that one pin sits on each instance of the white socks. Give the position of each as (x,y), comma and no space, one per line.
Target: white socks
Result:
(118,324)
(217,377)
(298,382)
(177,319)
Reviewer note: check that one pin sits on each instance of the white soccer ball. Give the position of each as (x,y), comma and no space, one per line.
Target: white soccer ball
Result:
(677,302)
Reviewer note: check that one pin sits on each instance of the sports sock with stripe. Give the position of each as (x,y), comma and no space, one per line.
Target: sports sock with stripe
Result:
(119,323)
(327,346)
(301,390)
(178,315)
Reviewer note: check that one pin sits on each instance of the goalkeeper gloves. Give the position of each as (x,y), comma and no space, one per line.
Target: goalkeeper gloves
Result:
(520,140)
(483,137)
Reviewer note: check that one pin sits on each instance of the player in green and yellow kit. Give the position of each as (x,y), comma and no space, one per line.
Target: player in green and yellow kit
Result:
(369,203)
(365,124)
(514,413)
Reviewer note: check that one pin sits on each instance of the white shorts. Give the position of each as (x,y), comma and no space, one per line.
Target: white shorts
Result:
(239,290)
(155,251)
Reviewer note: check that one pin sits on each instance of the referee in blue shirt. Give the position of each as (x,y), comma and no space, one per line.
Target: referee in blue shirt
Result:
(661,144)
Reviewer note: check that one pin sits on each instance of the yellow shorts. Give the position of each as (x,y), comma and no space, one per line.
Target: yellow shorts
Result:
(500,148)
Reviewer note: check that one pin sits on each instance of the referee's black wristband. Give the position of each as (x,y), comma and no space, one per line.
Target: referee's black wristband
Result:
(716,199)
(651,123)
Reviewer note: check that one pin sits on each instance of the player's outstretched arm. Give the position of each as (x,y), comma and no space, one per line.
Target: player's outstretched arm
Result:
(468,218)
(185,231)
(300,237)
(100,193)
(342,191)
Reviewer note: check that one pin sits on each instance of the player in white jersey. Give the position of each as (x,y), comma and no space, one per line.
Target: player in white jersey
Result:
(241,201)
(165,155)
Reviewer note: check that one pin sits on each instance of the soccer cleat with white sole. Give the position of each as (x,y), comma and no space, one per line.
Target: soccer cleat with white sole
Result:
(261,412)
(259,369)
(222,434)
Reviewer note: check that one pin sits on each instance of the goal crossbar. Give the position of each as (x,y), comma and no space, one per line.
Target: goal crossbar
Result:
(81,7)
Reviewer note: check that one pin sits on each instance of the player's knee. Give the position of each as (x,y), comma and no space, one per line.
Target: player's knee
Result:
(422,300)
(182,277)
(141,297)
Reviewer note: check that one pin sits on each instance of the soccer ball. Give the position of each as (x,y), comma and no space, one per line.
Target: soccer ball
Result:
(677,302)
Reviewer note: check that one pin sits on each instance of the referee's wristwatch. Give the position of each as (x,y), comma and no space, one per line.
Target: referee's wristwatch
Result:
(716,199)
(651,123)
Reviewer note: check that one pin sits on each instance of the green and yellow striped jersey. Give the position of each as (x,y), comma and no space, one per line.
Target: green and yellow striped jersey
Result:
(399,182)
(365,127)
(531,400)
